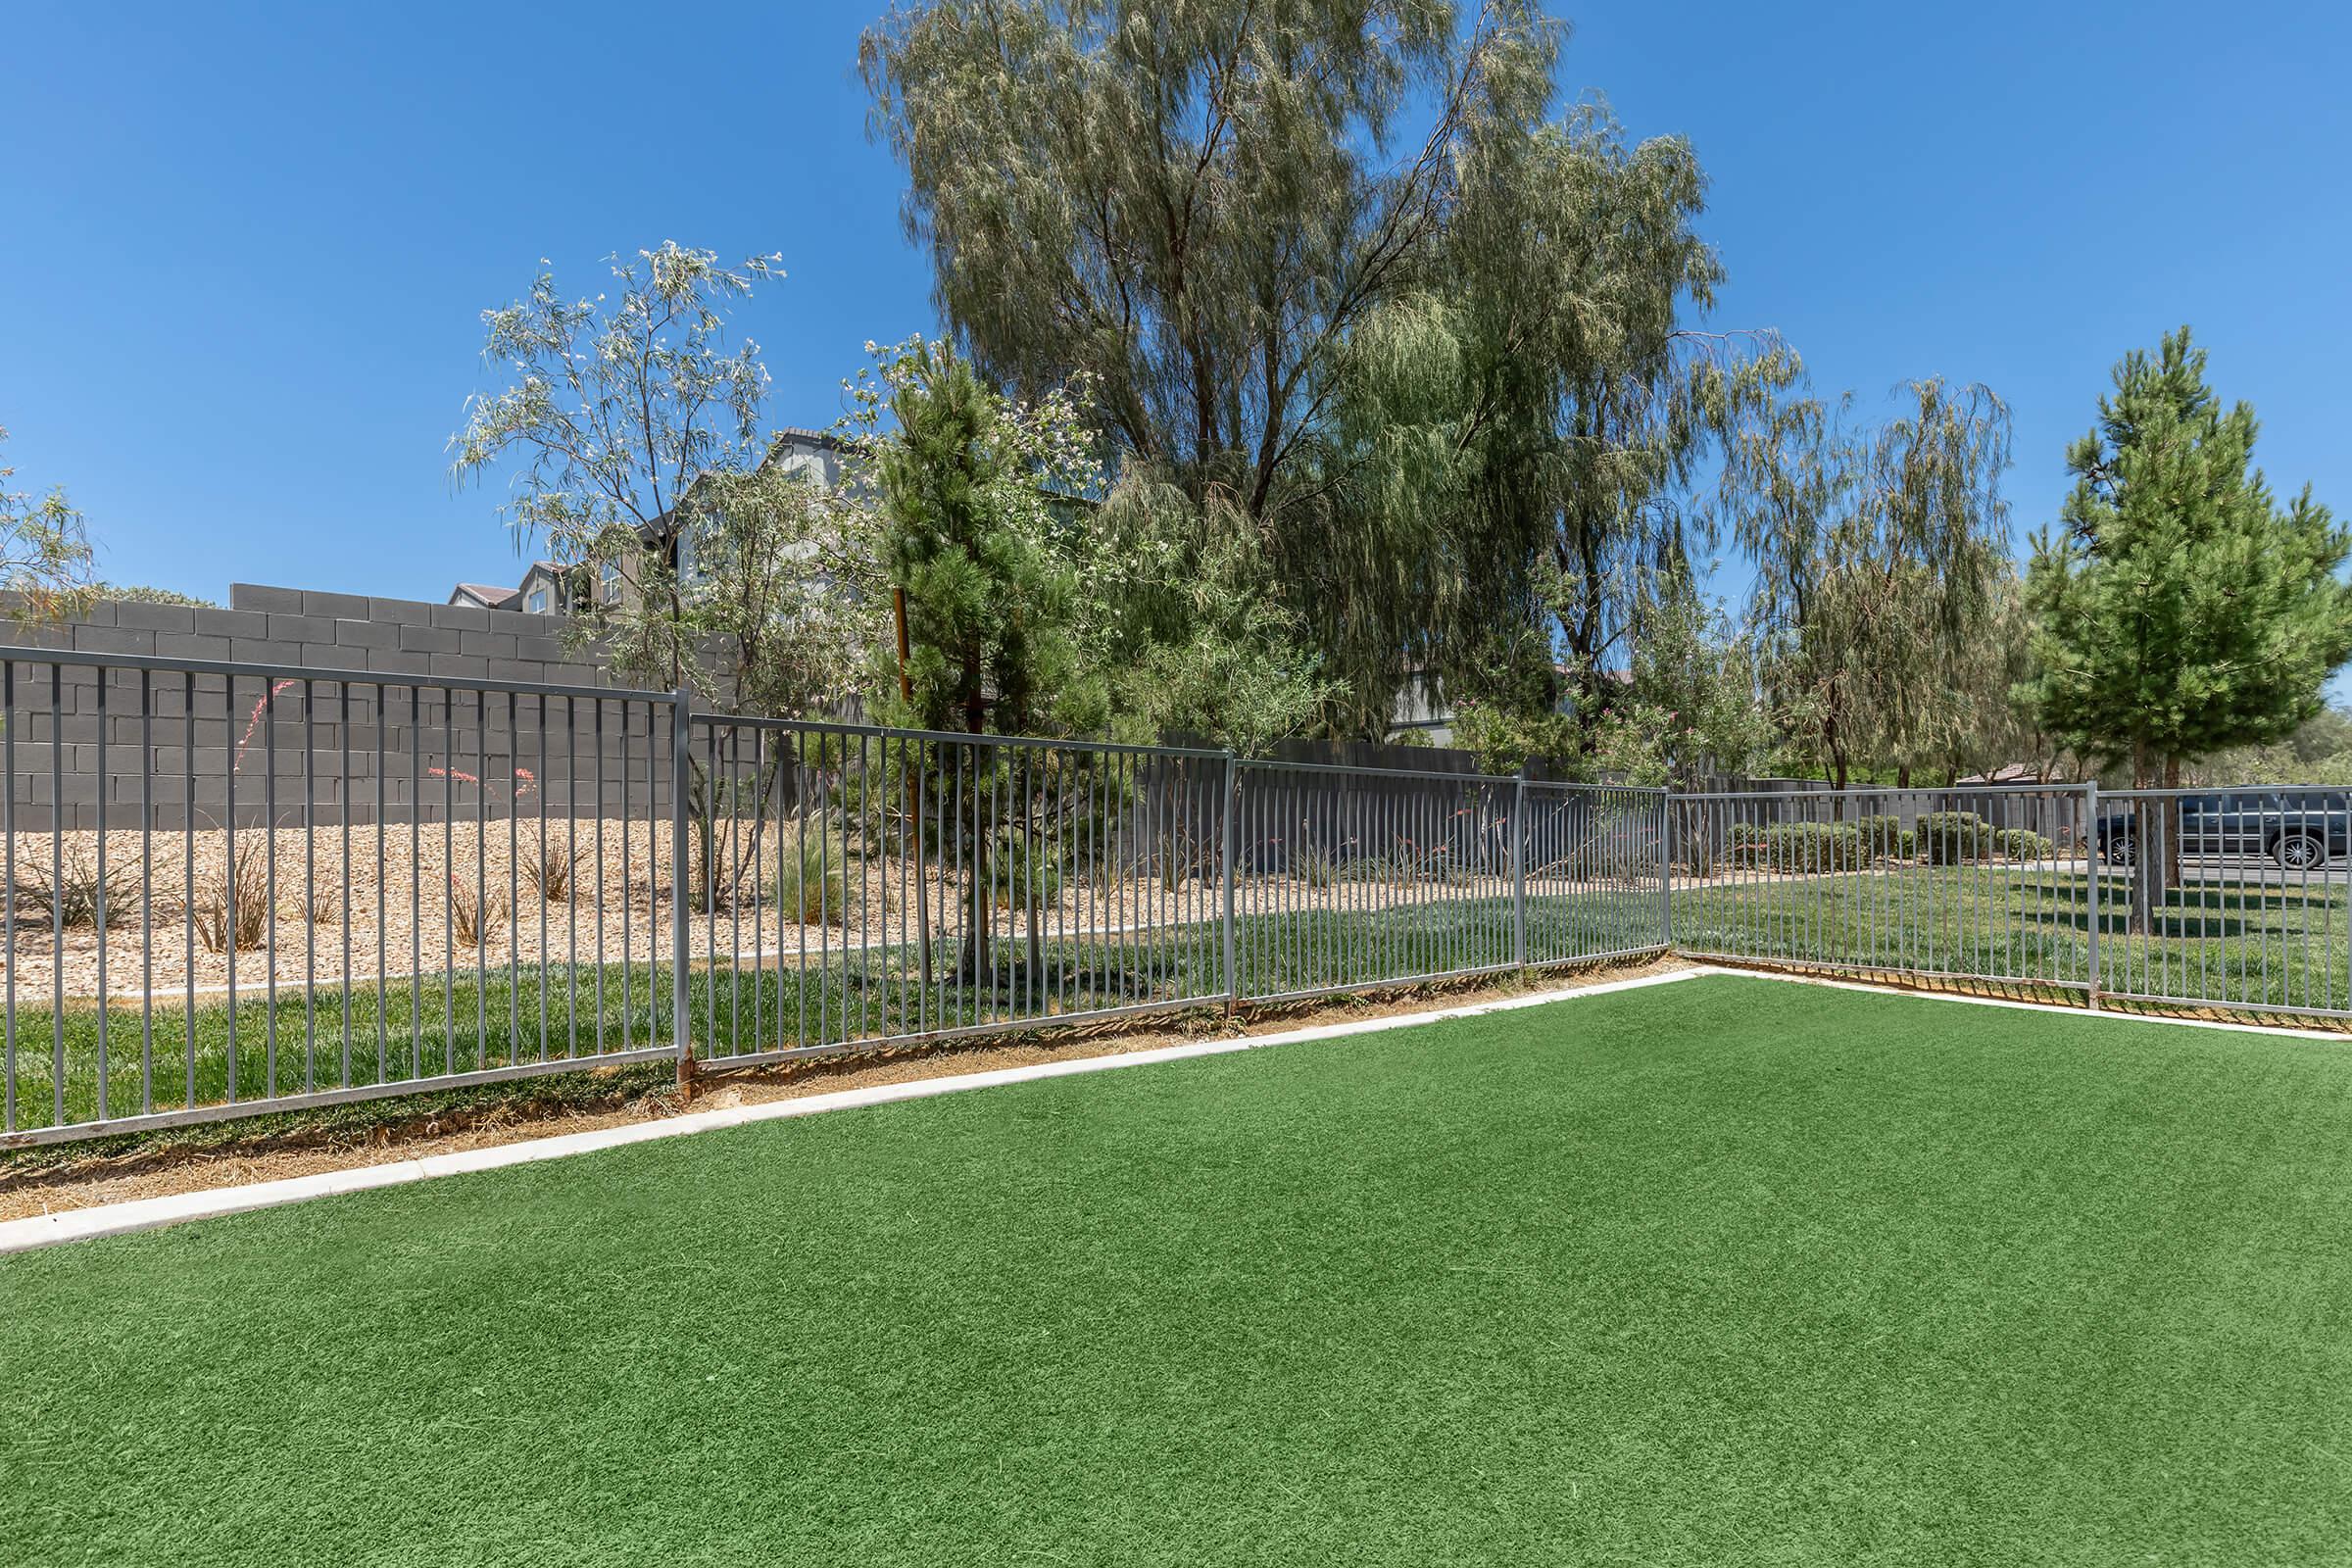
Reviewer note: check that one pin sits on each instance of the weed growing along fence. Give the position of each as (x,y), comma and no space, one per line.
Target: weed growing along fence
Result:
(232,887)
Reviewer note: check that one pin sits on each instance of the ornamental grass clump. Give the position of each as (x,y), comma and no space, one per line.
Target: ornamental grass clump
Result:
(813,885)
(232,903)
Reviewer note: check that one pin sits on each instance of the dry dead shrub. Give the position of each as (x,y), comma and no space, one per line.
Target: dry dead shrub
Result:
(233,902)
(67,890)
(551,872)
(475,921)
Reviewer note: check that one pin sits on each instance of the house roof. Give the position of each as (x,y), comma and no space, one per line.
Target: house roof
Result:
(489,596)
(801,435)
(790,435)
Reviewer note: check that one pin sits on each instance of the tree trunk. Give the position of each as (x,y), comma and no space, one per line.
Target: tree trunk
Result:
(979,960)
(2169,872)
(2136,834)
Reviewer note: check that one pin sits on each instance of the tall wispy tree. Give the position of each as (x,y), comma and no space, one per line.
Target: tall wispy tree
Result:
(1543,399)
(1879,558)
(2179,608)
(1218,213)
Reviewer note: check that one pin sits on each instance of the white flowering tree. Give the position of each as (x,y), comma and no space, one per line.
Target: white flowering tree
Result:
(616,408)
(44,551)
(628,420)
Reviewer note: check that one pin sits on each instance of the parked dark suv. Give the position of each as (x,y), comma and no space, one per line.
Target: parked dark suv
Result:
(2303,830)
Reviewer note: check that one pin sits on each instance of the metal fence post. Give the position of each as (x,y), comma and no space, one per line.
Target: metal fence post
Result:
(1519,871)
(1231,876)
(1666,867)
(2091,831)
(681,742)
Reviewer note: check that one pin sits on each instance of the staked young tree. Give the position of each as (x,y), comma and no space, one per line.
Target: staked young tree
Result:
(967,488)
(631,419)
(2180,609)
(971,491)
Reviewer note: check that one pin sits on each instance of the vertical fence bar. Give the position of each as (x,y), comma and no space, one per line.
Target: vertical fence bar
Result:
(1519,871)
(680,744)
(2091,847)
(1230,881)
(1665,868)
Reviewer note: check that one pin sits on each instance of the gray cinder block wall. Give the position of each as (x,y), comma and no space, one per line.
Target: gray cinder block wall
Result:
(174,748)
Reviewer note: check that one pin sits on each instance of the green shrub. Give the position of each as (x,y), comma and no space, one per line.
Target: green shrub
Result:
(1886,838)
(1946,838)
(1798,847)
(2023,844)
(1019,875)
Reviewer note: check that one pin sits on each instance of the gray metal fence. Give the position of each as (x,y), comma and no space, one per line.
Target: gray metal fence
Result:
(2218,899)
(2227,898)
(231,887)
(1911,883)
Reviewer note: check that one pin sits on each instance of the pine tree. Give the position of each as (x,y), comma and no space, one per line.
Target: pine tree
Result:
(2180,609)
(965,503)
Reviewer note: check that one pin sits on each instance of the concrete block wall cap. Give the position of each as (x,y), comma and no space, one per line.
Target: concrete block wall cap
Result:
(150,618)
(334,607)
(258,596)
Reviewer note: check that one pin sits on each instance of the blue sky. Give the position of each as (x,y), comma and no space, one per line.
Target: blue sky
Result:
(247,248)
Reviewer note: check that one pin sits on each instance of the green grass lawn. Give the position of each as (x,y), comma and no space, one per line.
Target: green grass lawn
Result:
(2279,945)
(1727,1271)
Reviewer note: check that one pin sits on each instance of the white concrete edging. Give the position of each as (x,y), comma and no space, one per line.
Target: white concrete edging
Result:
(2113,1015)
(146,1213)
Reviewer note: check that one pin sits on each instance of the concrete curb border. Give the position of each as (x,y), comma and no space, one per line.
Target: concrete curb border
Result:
(147,1213)
(2317,1037)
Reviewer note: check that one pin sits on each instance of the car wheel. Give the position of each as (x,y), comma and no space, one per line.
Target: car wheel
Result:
(2300,852)
(2118,850)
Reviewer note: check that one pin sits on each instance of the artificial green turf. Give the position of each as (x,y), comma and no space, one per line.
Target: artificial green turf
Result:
(1726,1271)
